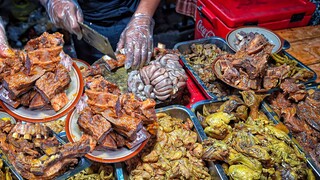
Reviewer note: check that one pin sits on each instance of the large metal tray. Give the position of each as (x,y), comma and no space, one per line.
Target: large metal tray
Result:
(82,164)
(14,173)
(176,111)
(184,47)
(273,116)
(197,107)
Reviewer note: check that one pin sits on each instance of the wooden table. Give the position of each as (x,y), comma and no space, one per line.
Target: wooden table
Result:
(305,45)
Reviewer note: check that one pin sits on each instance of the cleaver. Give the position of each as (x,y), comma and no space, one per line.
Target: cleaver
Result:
(97,40)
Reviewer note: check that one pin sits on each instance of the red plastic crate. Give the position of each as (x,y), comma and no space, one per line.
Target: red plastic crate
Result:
(219,17)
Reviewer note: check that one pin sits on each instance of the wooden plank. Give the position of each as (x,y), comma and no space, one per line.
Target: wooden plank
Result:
(300,33)
(316,68)
(306,51)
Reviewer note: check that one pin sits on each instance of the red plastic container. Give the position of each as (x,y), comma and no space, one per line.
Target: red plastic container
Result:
(219,17)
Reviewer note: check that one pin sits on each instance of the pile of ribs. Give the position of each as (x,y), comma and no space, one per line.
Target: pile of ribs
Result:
(249,68)
(300,112)
(37,76)
(112,119)
(35,152)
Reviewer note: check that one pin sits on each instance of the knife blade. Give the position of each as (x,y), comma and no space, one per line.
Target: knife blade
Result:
(97,40)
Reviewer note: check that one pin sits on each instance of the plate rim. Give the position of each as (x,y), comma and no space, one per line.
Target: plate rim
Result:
(81,61)
(97,159)
(54,117)
(281,40)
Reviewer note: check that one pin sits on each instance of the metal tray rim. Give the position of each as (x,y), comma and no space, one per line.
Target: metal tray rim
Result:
(271,116)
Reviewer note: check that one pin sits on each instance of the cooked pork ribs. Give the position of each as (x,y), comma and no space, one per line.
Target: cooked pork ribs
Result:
(108,109)
(42,66)
(20,83)
(53,83)
(36,153)
(95,125)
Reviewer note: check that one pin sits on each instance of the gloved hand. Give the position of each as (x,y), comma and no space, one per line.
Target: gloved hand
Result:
(5,50)
(65,14)
(137,41)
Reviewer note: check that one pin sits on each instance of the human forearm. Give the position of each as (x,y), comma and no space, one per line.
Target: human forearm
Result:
(147,7)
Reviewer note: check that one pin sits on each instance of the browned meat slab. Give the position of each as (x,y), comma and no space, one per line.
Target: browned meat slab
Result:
(46,40)
(50,84)
(95,125)
(20,83)
(107,143)
(59,101)
(47,59)
(38,102)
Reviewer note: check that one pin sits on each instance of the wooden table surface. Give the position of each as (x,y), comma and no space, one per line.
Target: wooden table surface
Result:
(305,45)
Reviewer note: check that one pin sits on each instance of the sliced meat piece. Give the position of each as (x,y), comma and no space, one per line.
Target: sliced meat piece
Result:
(4,96)
(59,101)
(308,114)
(108,143)
(270,82)
(27,97)
(290,86)
(38,102)
(20,83)
(11,65)
(147,108)
(46,40)
(99,84)
(125,124)
(142,135)
(78,149)
(95,125)
(58,168)
(100,101)
(47,59)
(50,84)
(120,140)
(281,72)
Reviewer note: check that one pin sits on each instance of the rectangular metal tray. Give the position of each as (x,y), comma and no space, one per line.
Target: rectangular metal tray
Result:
(197,107)
(273,115)
(82,164)
(176,111)
(184,47)
(14,173)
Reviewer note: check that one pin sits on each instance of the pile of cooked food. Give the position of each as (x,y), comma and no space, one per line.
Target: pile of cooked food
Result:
(250,68)
(35,152)
(247,143)
(5,173)
(97,171)
(299,110)
(200,58)
(114,119)
(242,38)
(174,154)
(37,76)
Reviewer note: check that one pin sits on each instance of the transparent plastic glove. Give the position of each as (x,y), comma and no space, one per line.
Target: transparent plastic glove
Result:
(5,50)
(65,14)
(137,41)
